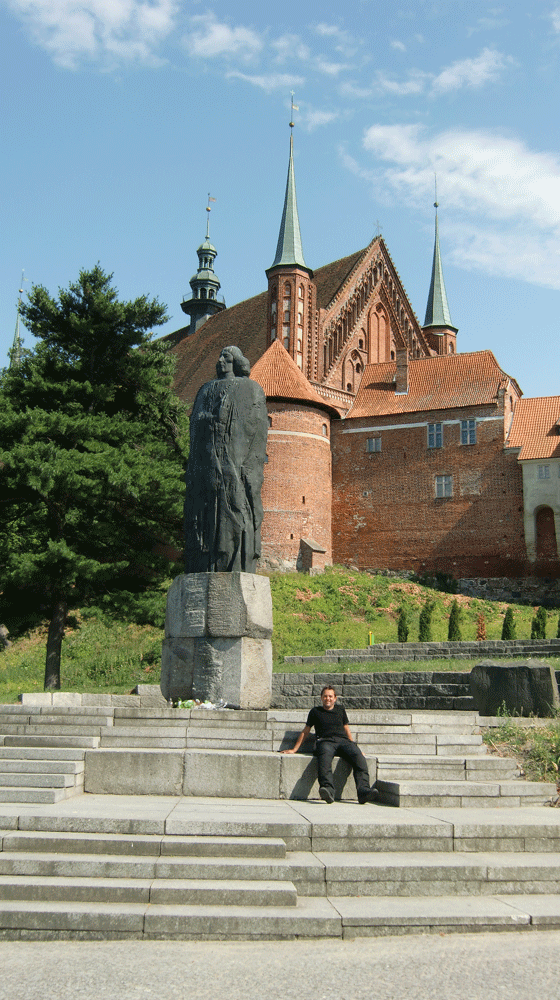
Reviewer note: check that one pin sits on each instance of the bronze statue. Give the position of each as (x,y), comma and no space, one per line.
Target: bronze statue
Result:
(223,509)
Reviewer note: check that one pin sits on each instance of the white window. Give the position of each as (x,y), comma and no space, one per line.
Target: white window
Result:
(468,431)
(373,444)
(544,471)
(444,486)
(435,435)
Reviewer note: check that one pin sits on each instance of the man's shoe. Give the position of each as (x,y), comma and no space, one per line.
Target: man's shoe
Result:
(371,796)
(326,795)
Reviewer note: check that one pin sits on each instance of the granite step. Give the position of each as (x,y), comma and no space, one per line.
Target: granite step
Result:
(36,795)
(152,845)
(310,918)
(487,794)
(340,917)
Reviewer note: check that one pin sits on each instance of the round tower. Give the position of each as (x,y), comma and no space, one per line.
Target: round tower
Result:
(205,284)
(297,489)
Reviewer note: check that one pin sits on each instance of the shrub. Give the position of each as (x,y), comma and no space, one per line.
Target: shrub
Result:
(402,627)
(538,625)
(425,623)
(481,628)
(454,628)
(508,627)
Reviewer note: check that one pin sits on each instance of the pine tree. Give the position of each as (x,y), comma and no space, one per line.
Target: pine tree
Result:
(425,623)
(402,626)
(508,625)
(538,625)
(558,629)
(481,628)
(92,450)
(454,627)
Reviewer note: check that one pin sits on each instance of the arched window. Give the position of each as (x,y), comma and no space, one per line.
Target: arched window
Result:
(325,431)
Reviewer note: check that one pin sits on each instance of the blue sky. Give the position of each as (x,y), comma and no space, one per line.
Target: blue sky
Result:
(119,116)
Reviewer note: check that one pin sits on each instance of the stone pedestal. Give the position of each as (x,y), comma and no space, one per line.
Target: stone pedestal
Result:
(217,639)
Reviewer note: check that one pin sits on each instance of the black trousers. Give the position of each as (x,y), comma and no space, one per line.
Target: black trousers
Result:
(340,746)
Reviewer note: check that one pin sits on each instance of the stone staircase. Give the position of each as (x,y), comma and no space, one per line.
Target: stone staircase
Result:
(192,825)
(419,759)
(209,870)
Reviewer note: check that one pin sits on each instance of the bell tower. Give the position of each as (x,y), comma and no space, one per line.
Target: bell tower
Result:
(205,285)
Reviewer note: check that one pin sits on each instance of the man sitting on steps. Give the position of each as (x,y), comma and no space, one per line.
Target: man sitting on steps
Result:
(334,738)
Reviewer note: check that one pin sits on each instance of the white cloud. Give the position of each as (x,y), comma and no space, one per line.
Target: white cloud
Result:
(350,89)
(471,72)
(484,68)
(314,119)
(329,68)
(209,38)
(269,81)
(416,83)
(501,200)
(399,46)
(291,47)
(107,31)
(555,18)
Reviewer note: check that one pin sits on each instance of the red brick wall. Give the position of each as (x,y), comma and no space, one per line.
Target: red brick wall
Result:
(386,514)
(297,490)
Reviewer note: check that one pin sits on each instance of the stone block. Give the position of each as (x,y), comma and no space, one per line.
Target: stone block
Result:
(525,688)
(235,774)
(66,698)
(138,772)
(36,698)
(219,604)
(298,778)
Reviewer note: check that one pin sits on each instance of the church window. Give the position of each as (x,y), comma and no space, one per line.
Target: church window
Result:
(361,344)
(202,293)
(435,435)
(270,421)
(444,486)
(349,387)
(543,471)
(358,368)
(301,291)
(468,431)
(392,355)
(211,294)
(326,432)
(373,445)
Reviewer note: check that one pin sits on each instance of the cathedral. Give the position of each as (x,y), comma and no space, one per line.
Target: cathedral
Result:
(388,448)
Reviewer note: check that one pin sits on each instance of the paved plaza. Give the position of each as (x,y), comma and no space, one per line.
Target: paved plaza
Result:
(504,966)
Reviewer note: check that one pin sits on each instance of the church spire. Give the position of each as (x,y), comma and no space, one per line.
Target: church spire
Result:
(205,285)
(17,346)
(289,250)
(291,290)
(437,325)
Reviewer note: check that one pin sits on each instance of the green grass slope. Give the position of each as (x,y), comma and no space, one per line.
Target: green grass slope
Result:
(112,648)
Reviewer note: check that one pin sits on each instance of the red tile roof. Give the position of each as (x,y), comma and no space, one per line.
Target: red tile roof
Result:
(534,428)
(435,383)
(243,325)
(281,378)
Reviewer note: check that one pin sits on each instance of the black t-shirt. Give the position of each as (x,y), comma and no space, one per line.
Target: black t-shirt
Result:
(328,722)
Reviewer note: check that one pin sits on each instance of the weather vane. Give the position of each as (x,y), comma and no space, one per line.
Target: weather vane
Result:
(294,108)
(208,209)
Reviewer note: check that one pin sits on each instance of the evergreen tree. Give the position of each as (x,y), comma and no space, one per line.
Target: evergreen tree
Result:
(558,629)
(481,628)
(425,623)
(454,627)
(538,625)
(402,626)
(92,450)
(508,625)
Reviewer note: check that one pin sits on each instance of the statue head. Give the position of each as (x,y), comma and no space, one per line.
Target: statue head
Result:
(241,365)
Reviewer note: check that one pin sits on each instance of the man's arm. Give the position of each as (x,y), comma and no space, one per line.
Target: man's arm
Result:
(348,733)
(302,736)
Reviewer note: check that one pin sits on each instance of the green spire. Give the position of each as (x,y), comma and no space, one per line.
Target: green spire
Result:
(289,249)
(437,309)
(17,346)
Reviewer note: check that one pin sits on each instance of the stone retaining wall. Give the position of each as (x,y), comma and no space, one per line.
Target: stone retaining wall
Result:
(533,591)
(398,651)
